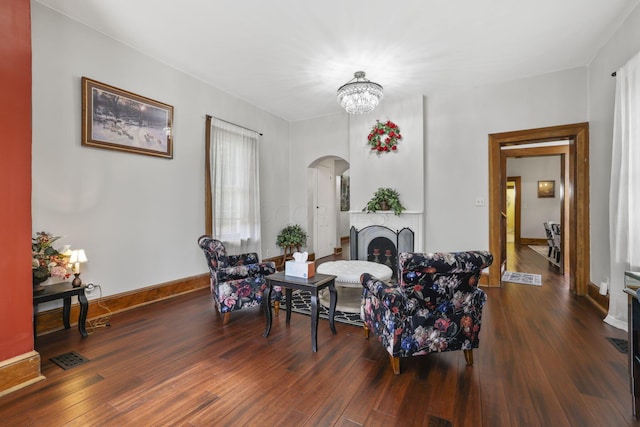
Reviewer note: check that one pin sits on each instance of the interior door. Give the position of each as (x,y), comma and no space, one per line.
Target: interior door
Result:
(514,204)
(325,212)
(511,204)
(503,217)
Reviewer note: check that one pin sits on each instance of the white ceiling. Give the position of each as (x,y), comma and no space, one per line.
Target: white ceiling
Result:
(288,57)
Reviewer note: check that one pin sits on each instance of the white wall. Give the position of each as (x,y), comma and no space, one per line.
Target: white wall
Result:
(535,211)
(344,137)
(458,124)
(615,53)
(138,217)
(402,170)
(312,141)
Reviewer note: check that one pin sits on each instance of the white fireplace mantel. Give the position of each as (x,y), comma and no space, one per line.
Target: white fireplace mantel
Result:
(409,219)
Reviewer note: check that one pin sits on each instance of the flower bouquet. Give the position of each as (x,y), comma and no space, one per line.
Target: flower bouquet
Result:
(46,260)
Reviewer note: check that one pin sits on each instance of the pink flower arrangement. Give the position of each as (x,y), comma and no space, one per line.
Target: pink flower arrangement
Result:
(46,260)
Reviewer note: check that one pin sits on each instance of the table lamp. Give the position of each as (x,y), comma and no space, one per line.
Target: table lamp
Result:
(77,256)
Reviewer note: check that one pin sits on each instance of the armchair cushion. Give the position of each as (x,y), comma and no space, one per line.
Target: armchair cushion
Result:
(243,286)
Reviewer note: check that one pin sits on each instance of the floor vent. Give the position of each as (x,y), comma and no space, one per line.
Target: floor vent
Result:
(69,360)
(620,344)
(438,422)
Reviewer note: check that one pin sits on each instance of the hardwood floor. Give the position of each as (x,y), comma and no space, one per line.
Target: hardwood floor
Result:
(543,361)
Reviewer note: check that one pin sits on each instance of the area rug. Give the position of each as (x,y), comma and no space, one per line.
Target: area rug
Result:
(544,250)
(301,303)
(522,278)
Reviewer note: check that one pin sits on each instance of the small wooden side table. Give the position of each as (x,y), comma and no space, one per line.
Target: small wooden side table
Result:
(313,285)
(63,291)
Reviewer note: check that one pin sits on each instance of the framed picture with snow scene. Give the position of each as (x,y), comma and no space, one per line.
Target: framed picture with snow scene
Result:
(115,119)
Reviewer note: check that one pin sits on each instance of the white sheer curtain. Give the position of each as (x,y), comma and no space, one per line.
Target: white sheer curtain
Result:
(624,195)
(235,187)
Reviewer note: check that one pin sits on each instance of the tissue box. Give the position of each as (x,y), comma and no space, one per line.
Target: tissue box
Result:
(304,270)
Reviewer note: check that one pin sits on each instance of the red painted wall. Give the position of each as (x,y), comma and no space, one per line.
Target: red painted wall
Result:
(16,328)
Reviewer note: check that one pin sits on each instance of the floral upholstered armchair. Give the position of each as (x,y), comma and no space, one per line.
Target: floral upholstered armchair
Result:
(237,281)
(435,306)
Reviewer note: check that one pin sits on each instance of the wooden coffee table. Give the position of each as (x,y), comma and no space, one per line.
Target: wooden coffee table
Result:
(312,285)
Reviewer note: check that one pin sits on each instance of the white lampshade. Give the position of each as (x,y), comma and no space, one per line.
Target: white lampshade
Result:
(77,256)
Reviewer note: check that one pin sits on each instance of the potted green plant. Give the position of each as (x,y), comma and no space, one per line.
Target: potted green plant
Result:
(385,199)
(291,235)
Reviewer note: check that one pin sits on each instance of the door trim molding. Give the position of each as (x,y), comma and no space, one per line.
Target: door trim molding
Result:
(576,195)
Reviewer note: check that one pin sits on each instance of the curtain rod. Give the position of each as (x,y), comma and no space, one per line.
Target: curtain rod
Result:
(235,124)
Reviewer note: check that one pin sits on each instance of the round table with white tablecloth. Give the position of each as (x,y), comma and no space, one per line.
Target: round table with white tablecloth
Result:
(348,281)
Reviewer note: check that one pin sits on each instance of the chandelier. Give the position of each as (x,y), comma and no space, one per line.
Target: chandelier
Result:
(359,95)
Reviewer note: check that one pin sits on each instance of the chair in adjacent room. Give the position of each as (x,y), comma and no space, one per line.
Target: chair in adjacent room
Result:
(237,281)
(436,305)
(550,240)
(557,239)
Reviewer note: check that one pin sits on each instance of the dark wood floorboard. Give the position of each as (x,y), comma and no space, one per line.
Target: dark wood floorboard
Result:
(543,361)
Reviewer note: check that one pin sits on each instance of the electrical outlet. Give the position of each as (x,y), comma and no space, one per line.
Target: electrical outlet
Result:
(479,201)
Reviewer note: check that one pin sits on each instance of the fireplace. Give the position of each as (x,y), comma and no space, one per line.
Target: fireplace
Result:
(380,244)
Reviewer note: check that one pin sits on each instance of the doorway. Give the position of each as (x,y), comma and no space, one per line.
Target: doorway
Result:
(576,185)
(514,204)
(324,218)
(324,215)
(540,178)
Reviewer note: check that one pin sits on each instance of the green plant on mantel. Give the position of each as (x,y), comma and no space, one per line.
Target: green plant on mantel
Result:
(385,199)
(292,235)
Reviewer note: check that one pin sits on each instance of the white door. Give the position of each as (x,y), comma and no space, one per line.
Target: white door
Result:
(324,212)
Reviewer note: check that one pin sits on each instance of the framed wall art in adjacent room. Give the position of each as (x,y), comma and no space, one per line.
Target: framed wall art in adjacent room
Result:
(344,193)
(546,189)
(116,119)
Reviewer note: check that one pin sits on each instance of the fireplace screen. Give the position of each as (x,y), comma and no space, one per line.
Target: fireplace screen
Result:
(380,244)
(383,251)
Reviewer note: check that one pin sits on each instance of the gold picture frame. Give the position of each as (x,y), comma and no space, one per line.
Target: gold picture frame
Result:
(546,189)
(116,119)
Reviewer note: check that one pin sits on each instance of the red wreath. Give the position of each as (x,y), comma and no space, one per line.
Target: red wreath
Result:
(384,137)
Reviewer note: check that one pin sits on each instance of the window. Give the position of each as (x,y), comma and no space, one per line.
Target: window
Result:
(235,189)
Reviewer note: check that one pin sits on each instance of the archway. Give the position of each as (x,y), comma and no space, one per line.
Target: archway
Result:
(323,208)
